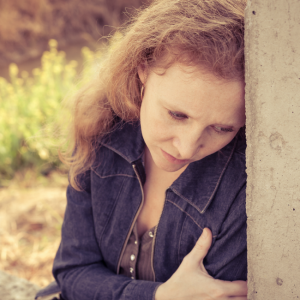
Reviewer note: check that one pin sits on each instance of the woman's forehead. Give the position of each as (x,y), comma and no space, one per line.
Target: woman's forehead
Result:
(188,79)
(195,92)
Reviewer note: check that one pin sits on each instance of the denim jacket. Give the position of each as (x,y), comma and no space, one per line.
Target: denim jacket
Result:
(98,220)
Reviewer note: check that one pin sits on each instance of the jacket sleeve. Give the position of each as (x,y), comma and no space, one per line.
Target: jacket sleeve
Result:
(78,266)
(230,244)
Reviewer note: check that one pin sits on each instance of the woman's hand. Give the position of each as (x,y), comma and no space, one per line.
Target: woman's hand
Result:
(192,282)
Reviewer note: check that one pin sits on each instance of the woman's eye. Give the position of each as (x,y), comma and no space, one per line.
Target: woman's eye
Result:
(177,116)
(220,129)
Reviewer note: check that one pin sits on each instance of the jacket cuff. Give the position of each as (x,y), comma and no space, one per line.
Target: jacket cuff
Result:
(141,290)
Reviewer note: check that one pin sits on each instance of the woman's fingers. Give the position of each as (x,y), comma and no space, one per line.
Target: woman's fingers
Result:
(202,246)
(191,280)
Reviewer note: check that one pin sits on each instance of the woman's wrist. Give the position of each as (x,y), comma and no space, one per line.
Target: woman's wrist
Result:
(162,292)
(159,293)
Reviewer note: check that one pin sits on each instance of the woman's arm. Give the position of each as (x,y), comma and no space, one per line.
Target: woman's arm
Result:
(82,274)
(78,266)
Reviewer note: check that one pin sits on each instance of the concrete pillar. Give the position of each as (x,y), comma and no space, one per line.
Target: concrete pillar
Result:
(273,148)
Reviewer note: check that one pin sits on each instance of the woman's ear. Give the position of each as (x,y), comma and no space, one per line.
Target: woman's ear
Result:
(142,72)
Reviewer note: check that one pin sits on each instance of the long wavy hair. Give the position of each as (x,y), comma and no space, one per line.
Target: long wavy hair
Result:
(208,33)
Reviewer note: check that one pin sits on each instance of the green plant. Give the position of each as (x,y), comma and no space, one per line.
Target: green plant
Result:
(32,117)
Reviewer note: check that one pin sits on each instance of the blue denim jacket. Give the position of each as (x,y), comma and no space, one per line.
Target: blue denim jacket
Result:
(98,220)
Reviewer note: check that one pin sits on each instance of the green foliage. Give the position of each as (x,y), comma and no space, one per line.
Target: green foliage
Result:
(32,117)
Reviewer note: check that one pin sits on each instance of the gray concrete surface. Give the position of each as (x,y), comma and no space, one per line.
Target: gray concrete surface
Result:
(14,288)
(273,148)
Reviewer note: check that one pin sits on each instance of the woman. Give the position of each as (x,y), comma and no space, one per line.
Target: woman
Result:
(158,161)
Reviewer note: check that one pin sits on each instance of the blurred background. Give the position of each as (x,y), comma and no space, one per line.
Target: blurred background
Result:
(48,48)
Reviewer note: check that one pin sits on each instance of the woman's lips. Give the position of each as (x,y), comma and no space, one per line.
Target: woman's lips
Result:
(172,159)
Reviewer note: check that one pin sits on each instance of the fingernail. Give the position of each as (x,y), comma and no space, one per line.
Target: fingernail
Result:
(204,233)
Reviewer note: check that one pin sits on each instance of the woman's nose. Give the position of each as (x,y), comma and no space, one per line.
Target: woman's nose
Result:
(188,143)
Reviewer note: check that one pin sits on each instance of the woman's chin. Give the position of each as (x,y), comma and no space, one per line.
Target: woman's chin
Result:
(164,164)
(169,167)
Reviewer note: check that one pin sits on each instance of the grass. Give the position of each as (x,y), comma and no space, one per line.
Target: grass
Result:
(32,117)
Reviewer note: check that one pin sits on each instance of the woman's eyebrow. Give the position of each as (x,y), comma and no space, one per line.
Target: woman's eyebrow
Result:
(226,126)
(173,107)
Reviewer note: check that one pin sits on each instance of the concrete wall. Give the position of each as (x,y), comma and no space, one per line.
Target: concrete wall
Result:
(273,148)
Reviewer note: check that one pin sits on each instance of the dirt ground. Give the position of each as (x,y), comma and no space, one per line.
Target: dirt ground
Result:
(31,215)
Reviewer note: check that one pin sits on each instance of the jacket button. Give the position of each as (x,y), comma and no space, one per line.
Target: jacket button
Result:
(151,234)
(132,257)
(131,270)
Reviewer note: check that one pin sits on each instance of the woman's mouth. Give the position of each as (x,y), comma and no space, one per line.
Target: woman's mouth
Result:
(173,159)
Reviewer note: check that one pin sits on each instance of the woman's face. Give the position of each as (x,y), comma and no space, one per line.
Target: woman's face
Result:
(187,114)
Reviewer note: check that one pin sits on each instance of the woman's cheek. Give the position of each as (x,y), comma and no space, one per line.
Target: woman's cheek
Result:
(222,142)
(162,129)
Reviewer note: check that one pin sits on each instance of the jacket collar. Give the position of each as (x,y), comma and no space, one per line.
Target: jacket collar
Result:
(126,140)
(200,180)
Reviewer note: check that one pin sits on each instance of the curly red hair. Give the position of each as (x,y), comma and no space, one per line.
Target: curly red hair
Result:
(208,33)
